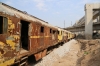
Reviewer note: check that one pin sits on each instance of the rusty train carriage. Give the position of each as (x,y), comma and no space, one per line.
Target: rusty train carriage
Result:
(65,36)
(22,35)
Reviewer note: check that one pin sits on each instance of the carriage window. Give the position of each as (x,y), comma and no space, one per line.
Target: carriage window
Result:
(58,32)
(50,30)
(54,31)
(3,25)
(61,32)
(42,29)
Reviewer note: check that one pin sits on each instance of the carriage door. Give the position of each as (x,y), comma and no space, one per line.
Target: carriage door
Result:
(42,36)
(24,35)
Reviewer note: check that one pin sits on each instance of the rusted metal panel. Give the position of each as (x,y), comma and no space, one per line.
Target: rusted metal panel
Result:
(66,37)
(38,56)
(37,38)
(34,38)
(47,36)
(9,42)
(41,44)
(44,53)
(50,39)
(40,38)
(54,36)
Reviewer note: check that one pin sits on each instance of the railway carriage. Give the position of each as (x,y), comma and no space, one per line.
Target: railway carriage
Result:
(65,36)
(24,37)
(60,35)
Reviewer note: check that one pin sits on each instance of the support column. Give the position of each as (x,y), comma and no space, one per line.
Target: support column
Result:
(88,22)
(99,15)
(98,19)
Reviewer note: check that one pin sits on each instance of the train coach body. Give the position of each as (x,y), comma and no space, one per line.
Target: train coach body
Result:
(65,36)
(60,35)
(70,35)
(23,35)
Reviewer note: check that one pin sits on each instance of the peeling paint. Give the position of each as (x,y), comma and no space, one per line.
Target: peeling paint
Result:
(16,37)
(11,43)
(18,24)
(11,25)
(4,52)
(8,62)
(30,29)
(17,47)
(10,38)
(2,44)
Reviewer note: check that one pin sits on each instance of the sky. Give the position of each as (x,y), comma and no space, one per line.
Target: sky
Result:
(55,12)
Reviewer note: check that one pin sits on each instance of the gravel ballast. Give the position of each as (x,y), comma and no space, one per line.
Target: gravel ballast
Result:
(56,54)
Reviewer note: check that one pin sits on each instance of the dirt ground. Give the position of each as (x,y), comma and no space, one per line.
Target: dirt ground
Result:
(82,53)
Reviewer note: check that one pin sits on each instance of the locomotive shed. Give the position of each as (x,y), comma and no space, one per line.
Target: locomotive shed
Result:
(26,40)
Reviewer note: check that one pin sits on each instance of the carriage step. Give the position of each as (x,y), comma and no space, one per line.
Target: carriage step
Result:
(24,58)
(23,61)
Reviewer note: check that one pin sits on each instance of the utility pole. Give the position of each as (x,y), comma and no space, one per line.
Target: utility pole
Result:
(71,23)
(64,23)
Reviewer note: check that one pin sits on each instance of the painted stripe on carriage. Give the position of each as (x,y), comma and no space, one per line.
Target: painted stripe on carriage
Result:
(38,36)
(34,36)
(47,36)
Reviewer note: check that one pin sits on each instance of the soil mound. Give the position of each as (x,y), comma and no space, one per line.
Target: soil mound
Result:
(89,54)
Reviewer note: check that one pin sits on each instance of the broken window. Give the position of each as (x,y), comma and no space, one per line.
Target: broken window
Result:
(50,30)
(3,25)
(42,29)
(54,31)
(58,32)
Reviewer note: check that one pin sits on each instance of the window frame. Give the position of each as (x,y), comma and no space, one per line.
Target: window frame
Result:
(42,29)
(4,28)
(50,30)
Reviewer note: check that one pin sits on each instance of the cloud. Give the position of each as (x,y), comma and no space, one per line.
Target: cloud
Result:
(9,2)
(40,4)
(57,12)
